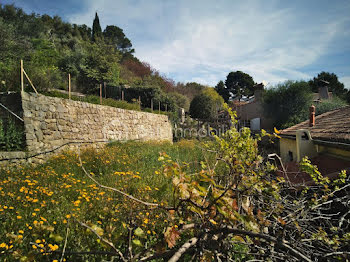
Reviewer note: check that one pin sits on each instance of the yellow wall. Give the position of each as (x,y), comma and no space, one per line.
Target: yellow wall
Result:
(287,145)
(334,151)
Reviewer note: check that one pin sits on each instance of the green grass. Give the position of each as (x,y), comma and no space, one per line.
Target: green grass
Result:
(38,204)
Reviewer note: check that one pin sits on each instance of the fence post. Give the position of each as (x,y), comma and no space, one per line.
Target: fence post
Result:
(30,82)
(122,95)
(100,94)
(105,88)
(166,107)
(22,83)
(69,87)
(151,104)
(159,107)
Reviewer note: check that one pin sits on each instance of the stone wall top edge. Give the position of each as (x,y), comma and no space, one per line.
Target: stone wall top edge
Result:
(68,102)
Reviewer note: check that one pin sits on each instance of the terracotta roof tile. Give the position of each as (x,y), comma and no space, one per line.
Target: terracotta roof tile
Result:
(331,126)
(239,103)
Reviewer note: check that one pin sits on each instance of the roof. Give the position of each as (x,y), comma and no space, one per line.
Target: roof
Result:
(330,126)
(329,166)
(239,103)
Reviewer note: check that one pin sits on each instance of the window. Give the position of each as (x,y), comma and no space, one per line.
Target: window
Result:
(305,136)
(290,156)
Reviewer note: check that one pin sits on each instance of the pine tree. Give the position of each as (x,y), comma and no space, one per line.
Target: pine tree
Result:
(223,91)
(96,29)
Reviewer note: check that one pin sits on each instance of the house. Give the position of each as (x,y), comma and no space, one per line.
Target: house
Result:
(325,139)
(251,113)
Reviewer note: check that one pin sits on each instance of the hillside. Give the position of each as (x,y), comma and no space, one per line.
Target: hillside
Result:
(52,48)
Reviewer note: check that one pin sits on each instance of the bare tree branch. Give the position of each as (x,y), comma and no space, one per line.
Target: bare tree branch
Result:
(104,240)
(65,244)
(190,243)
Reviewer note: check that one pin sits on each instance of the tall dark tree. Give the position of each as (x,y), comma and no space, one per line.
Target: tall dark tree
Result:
(334,85)
(204,106)
(96,28)
(223,91)
(115,36)
(239,84)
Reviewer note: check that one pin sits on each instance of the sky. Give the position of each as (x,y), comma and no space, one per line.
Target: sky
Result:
(203,40)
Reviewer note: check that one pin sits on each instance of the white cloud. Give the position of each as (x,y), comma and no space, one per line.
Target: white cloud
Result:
(204,40)
(346,81)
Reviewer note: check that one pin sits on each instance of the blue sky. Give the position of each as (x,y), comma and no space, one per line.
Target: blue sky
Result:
(203,40)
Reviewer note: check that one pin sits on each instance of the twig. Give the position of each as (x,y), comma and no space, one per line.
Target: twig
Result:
(104,240)
(341,221)
(130,245)
(339,253)
(65,244)
(96,252)
(282,244)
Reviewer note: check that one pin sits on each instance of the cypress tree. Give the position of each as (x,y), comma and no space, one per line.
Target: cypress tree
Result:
(96,28)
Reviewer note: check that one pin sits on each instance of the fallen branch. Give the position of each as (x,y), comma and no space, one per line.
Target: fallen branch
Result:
(190,243)
(65,244)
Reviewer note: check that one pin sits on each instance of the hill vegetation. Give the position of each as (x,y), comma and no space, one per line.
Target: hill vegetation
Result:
(52,49)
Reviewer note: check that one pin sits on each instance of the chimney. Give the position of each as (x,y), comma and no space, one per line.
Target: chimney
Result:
(312,116)
(258,91)
(323,90)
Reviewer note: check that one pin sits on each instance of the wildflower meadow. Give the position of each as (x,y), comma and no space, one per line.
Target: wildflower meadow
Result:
(56,206)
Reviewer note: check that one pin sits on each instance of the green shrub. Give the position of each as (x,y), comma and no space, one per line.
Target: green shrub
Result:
(121,104)
(11,138)
(329,104)
(2,135)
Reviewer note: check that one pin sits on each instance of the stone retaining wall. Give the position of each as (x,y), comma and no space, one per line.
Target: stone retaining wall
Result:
(51,122)
(17,157)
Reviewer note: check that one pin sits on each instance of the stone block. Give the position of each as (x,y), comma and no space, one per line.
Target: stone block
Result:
(47,132)
(57,142)
(30,136)
(61,109)
(39,135)
(27,113)
(52,126)
(52,108)
(56,135)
